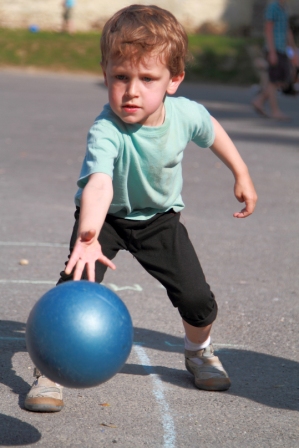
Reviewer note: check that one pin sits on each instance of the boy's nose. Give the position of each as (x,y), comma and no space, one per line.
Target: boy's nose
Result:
(132,89)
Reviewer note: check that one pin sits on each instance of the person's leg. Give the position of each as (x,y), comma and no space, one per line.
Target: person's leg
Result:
(70,29)
(45,395)
(197,335)
(259,102)
(276,112)
(269,94)
(69,23)
(279,76)
(64,20)
(163,248)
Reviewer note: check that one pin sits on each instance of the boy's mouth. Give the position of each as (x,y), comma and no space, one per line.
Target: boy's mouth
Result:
(130,107)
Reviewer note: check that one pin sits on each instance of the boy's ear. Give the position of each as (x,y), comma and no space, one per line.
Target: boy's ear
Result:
(174,83)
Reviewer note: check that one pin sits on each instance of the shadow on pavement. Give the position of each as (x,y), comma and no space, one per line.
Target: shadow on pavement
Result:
(270,380)
(12,340)
(266,379)
(14,432)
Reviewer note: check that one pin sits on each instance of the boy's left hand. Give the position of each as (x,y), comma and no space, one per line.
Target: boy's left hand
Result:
(244,189)
(245,192)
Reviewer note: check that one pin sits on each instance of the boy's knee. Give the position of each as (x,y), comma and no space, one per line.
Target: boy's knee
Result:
(199,310)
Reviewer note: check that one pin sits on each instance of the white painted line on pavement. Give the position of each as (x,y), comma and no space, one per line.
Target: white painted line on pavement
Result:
(10,338)
(134,287)
(30,282)
(31,244)
(114,287)
(167,421)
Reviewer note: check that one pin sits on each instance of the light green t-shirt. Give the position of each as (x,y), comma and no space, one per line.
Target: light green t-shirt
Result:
(143,161)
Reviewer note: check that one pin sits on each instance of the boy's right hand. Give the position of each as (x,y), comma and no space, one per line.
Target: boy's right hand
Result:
(86,252)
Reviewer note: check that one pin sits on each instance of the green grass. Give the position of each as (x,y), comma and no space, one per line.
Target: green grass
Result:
(49,50)
(221,58)
(215,58)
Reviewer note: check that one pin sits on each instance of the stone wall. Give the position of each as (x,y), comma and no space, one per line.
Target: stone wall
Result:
(91,14)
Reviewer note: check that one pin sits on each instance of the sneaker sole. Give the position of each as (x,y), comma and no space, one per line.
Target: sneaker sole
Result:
(212,384)
(43,405)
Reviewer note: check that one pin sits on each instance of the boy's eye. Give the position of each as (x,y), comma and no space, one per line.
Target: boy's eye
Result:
(147,79)
(120,77)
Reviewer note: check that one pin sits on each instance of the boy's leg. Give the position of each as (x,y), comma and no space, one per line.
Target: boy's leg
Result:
(200,360)
(163,248)
(197,335)
(45,395)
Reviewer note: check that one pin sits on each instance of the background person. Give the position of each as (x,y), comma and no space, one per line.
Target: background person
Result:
(67,16)
(278,36)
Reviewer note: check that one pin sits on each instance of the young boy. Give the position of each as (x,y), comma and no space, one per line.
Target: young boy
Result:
(130,184)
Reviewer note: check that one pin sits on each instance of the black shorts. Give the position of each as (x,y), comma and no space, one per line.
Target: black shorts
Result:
(162,246)
(280,73)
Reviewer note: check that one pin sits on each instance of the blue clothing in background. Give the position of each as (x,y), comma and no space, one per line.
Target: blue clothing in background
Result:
(277,14)
(69,3)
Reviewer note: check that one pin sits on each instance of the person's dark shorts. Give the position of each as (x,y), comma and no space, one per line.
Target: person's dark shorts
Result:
(280,73)
(162,246)
(67,13)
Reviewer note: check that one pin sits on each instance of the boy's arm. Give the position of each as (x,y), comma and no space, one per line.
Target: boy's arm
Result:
(244,189)
(96,199)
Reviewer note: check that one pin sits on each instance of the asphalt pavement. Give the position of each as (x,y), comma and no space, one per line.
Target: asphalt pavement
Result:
(251,265)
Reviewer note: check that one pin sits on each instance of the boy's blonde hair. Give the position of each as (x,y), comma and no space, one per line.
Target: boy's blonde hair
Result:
(137,30)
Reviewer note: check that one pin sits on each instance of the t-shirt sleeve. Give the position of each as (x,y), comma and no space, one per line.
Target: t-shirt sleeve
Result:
(103,145)
(203,133)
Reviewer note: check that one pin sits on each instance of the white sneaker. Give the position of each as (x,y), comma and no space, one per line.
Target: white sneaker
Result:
(210,374)
(44,395)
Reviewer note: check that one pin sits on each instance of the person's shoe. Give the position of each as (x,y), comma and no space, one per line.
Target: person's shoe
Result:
(209,374)
(44,395)
(279,116)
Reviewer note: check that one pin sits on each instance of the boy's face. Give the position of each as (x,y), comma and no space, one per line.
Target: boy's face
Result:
(137,90)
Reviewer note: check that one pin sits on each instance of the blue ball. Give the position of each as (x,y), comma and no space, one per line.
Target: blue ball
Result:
(79,334)
(34,28)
